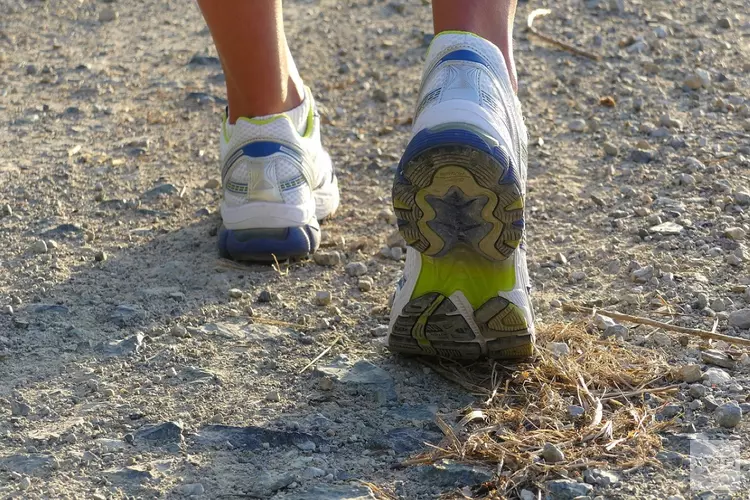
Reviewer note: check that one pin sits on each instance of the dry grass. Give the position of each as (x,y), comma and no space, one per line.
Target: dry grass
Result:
(525,406)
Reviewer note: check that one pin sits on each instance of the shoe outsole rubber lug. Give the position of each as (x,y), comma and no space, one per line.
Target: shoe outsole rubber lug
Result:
(459,202)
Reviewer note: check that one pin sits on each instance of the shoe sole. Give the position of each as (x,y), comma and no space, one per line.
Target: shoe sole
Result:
(263,245)
(459,202)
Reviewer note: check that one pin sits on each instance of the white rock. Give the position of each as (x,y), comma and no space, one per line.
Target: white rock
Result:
(735,233)
(716,376)
(559,349)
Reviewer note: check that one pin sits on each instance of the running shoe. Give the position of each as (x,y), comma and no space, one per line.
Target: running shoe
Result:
(278,183)
(459,196)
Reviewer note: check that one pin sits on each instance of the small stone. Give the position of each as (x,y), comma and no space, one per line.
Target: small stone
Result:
(6,211)
(38,247)
(552,454)
(603,322)
(25,483)
(617,331)
(740,319)
(395,240)
(365,284)
(19,409)
(577,125)
(639,155)
(273,396)
(322,298)
(578,276)
(689,373)
(380,331)
(212,184)
(728,415)
(600,477)
(661,32)
(235,293)
(7,309)
(387,216)
(718,358)
(575,411)
(610,149)
(325,384)
(100,256)
(698,390)
(724,23)
(380,95)
(661,339)
(671,410)
(735,233)
(328,259)
(716,376)
(666,229)
(697,80)
(558,349)
(107,14)
(356,269)
(192,489)
(568,489)
(718,305)
(179,331)
(265,296)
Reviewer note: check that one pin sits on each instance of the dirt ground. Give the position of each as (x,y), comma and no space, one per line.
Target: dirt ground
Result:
(136,364)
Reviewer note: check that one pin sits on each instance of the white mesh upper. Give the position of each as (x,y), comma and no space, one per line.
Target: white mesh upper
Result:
(281,177)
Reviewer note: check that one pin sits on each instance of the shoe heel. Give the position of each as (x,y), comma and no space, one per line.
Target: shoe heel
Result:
(262,245)
(457,187)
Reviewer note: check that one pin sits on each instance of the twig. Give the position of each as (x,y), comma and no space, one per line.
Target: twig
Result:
(665,326)
(669,388)
(325,351)
(555,41)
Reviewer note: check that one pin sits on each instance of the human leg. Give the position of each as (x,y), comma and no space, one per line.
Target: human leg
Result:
(277,179)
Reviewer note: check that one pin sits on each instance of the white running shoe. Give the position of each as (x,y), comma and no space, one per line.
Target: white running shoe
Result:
(278,183)
(459,198)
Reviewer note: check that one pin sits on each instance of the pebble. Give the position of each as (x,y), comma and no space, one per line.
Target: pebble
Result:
(724,23)
(716,376)
(666,229)
(690,373)
(577,125)
(365,284)
(273,396)
(107,14)
(212,184)
(735,233)
(7,309)
(179,331)
(100,256)
(728,415)
(661,32)
(671,410)
(235,293)
(25,483)
(559,349)
(192,489)
(698,79)
(617,331)
(642,155)
(38,247)
(575,411)
(356,269)
(322,298)
(740,319)
(380,331)
(395,240)
(552,454)
(718,358)
(6,211)
(698,390)
(568,489)
(600,477)
(328,259)
(610,149)
(661,339)
(265,296)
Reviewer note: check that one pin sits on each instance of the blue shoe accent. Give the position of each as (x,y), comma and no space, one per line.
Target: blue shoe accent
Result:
(261,245)
(464,55)
(446,136)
